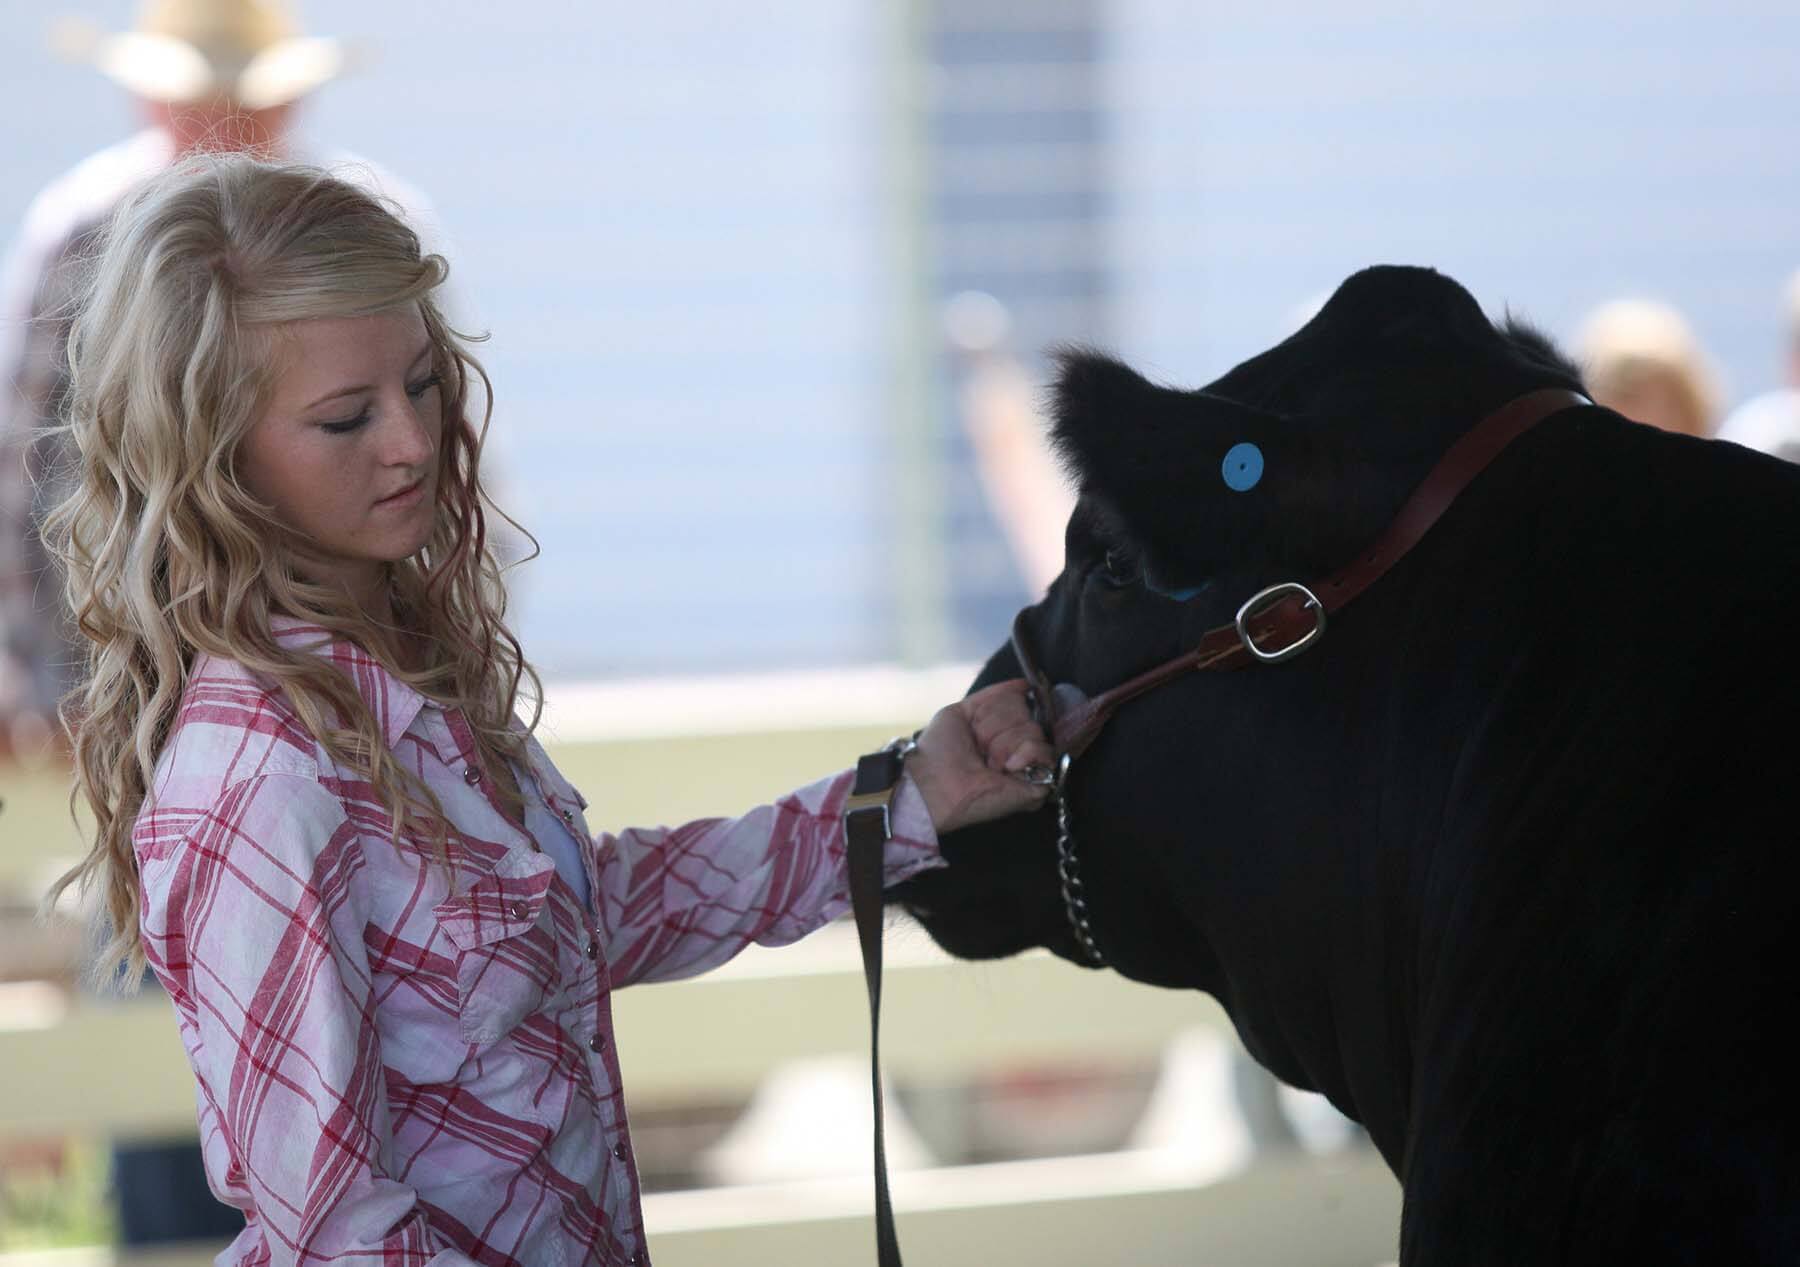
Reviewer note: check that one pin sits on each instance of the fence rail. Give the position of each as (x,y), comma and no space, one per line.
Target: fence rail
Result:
(119,1069)
(73,1065)
(1074,1212)
(61,1062)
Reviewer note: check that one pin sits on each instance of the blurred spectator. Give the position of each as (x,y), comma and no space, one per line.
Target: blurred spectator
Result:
(1771,422)
(1028,494)
(1641,358)
(205,74)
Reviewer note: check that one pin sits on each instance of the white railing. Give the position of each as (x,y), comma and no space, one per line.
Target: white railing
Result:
(717,1035)
(118,1069)
(652,752)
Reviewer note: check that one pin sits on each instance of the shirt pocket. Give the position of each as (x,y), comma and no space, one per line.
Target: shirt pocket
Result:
(506,962)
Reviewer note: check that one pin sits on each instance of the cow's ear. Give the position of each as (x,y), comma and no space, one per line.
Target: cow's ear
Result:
(1094,401)
(1205,483)
(1131,441)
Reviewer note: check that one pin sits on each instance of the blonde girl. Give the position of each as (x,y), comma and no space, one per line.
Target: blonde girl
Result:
(390,939)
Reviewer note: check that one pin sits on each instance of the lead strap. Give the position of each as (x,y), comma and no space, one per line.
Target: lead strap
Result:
(866,832)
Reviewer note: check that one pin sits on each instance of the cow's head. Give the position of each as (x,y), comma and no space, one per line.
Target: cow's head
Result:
(1191,501)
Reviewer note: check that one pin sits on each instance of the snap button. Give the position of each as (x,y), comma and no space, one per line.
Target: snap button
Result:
(519,910)
(471,775)
(568,816)
(619,1151)
(597,1043)
(593,949)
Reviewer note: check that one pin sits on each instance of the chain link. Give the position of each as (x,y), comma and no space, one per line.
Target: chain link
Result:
(1068,868)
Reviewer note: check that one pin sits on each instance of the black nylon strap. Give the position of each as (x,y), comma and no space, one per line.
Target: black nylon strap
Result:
(866,833)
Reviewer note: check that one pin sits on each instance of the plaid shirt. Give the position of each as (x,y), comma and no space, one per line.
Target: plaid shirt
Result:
(399,1067)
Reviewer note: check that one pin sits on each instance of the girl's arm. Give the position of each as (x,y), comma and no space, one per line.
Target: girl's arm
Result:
(677,901)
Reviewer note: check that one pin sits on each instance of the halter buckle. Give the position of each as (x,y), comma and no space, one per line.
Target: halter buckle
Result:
(1261,601)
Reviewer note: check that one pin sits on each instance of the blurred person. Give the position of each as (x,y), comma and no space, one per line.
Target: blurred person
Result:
(216,75)
(319,819)
(1007,432)
(1770,422)
(1640,357)
(204,74)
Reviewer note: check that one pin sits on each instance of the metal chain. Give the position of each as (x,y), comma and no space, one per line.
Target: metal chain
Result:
(1068,868)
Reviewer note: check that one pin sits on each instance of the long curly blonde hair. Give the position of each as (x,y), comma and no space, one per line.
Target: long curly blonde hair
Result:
(168,556)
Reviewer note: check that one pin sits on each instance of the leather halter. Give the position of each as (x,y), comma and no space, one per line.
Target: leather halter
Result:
(1291,616)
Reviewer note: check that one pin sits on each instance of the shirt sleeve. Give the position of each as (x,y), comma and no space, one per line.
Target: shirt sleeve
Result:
(675,901)
(262,951)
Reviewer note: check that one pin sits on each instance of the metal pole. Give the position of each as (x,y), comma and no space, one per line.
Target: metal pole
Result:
(915,424)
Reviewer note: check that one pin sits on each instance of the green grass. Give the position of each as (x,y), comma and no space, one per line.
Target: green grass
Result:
(48,1203)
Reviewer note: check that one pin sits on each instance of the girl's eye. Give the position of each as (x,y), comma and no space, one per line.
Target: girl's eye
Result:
(347,425)
(414,390)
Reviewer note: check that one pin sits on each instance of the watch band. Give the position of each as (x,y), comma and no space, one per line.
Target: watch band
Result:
(872,795)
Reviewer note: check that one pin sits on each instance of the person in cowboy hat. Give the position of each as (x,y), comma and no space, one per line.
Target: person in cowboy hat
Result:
(217,75)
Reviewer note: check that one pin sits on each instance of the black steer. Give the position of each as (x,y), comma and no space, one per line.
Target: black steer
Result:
(1507,864)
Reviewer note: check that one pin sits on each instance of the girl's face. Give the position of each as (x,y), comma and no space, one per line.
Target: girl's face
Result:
(346,451)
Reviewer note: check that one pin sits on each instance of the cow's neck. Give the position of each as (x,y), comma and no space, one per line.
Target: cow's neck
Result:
(1289,853)
(1333,824)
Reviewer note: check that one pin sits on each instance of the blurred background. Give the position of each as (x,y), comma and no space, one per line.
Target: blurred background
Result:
(770,289)
(714,244)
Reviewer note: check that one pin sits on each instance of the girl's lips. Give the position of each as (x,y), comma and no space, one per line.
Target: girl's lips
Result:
(406,496)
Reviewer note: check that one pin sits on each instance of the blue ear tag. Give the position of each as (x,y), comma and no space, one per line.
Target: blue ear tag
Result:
(1243,467)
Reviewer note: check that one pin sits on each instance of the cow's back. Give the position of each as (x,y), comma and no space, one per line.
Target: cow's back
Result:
(1600,1071)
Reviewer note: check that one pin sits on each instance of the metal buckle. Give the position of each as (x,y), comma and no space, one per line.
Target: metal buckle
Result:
(1261,601)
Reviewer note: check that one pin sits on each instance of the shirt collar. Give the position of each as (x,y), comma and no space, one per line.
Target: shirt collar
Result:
(394,703)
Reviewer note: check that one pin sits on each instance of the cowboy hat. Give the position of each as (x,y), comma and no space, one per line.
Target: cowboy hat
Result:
(248,51)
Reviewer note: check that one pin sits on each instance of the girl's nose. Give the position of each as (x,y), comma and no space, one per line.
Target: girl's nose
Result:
(409,440)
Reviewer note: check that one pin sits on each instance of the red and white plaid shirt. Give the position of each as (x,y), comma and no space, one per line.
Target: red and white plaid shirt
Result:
(395,1067)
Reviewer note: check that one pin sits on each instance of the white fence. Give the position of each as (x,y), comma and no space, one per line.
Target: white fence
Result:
(1192,1194)
(119,1069)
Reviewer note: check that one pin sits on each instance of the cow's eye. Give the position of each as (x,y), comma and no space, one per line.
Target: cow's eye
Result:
(1121,568)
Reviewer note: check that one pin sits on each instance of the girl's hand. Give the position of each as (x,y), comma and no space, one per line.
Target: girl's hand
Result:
(970,762)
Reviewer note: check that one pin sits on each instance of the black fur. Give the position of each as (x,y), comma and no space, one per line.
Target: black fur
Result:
(1320,407)
(1506,866)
